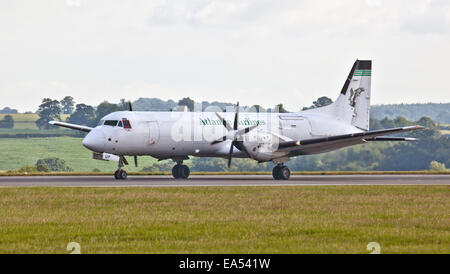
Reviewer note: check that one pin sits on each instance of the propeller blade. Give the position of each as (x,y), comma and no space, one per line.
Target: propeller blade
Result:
(236,117)
(246,130)
(130,107)
(220,140)
(225,124)
(135,161)
(240,145)
(230,155)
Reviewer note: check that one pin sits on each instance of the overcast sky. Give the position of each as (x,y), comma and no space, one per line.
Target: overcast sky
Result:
(255,51)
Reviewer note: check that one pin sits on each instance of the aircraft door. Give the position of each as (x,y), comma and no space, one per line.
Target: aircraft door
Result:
(153,132)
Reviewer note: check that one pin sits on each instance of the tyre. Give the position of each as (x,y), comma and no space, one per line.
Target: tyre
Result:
(175,171)
(275,172)
(116,174)
(123,175)
(284,173)
(183,172)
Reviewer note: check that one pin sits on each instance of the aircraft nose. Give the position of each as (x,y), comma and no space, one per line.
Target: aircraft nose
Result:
(95,141)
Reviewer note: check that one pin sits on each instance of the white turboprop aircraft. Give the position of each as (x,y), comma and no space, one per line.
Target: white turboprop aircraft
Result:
(262,137)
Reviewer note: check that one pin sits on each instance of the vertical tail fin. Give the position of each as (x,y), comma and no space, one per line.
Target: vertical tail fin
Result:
(353,104)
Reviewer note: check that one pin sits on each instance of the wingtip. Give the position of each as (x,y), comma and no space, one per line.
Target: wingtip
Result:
(416,127)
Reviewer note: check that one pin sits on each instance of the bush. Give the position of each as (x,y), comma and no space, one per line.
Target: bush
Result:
(28,169)
(435,165)
(7,122)
(42,168)
(53,164)
(96,170)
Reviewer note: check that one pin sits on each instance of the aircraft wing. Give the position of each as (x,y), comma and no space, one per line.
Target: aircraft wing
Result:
(324,144)
(71,126)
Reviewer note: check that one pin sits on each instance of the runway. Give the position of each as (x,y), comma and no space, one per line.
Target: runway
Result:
(221,180)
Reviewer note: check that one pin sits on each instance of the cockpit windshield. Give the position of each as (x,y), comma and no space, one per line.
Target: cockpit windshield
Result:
(112,123)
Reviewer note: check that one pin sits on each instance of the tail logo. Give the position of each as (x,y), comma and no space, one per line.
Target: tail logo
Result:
(354,94)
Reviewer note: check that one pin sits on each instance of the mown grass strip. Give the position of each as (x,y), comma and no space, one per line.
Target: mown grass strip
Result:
(326,219)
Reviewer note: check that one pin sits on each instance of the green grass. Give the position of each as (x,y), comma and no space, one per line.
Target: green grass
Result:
(27,121)
(19,152)
(327,219)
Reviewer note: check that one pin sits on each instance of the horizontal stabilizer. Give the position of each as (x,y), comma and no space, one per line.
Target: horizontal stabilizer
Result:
(71,126)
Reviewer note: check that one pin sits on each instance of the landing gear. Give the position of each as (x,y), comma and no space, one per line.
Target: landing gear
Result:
(180,171)
(281,172)
(120,174)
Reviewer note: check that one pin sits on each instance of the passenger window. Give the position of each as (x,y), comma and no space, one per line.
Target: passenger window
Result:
(120,124)
(112,123)
(126,123)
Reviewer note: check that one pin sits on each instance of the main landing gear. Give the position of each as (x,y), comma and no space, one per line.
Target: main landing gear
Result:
(180,171)
(281,172)
(120,174)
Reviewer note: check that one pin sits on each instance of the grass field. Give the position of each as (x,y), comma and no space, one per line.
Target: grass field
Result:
(19,152)
(27,121)
(331,219)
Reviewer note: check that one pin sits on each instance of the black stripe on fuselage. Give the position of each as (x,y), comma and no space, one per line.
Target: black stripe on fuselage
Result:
(349,78)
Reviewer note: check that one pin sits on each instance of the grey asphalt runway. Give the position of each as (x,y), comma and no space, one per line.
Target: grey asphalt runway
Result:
(222,180)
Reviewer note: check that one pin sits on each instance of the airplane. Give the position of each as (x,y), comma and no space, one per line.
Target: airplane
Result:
(263,137)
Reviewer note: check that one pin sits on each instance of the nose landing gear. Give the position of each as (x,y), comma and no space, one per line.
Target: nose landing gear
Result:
(281,172)
(180,171)
(120,174)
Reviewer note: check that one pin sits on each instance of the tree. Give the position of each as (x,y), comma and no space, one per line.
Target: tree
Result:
(106,108)
(53,164)
(67,104)
(187,102)
(7,122)
(279,108)
(435,165)
(48,111)
(7,110)
(83,115)
(320,102)
(123,104)
(257,108)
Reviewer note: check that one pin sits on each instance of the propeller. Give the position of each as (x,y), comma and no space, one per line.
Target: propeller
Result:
(130,108)
(234,134)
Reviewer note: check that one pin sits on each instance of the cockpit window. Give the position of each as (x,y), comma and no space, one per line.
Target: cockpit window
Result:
(112,123)
(120,124)
(101,122)
(126,123)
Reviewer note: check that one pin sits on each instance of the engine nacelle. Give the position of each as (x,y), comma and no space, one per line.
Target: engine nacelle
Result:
(262,145)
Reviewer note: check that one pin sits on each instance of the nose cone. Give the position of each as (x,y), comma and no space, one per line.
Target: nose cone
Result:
(95,141)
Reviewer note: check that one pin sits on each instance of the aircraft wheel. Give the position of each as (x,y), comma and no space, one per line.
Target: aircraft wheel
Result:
(120,174)
(281,173)
(284,173)
(275,172)
(175,171)
(183,172)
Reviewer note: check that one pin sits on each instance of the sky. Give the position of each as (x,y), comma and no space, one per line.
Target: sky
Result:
(253,51)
